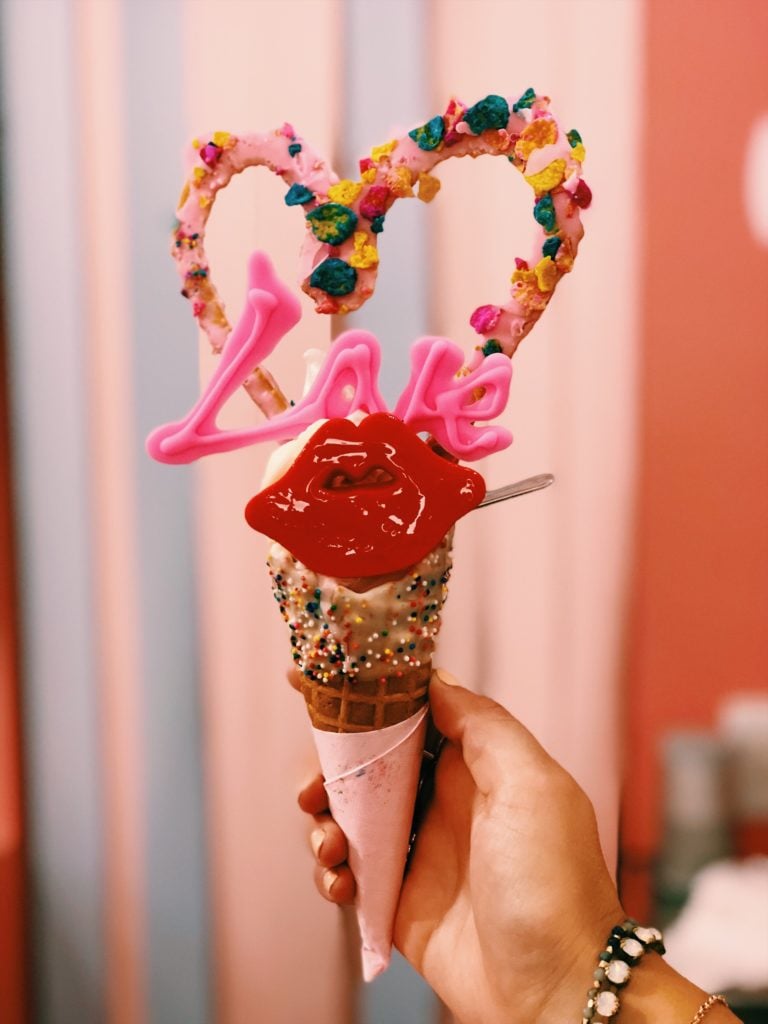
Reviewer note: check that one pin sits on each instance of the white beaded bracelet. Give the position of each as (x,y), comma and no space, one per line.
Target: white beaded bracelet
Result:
(626,945)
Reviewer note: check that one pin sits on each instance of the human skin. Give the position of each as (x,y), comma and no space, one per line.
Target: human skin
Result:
(508,899)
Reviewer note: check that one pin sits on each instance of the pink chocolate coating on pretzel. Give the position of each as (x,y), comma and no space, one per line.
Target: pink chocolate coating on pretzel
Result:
(339,258)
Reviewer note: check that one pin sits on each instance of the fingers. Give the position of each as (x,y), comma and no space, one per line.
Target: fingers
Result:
(294,678)
(313,798)
(495,746)
(333,878)
(328,842)
(337,885)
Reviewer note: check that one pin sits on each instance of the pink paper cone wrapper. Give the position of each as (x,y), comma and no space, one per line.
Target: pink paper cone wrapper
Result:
(371,781)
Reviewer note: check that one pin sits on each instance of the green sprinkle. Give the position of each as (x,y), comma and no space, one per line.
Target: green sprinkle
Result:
(492,112)
(491,346)
(526,100)
(298,195)
(544,213)
(429,135)
(334,276)
(332,223)
(573,138)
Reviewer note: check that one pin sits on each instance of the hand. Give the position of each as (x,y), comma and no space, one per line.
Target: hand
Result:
(508,900)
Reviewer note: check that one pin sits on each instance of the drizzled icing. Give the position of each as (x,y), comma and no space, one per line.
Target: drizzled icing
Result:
(364,500)
(437,398)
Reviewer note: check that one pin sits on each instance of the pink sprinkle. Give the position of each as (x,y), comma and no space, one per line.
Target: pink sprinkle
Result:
(521,264)
(453,114)
(287,131)
(198,308)
(582,195)
(485,318)
(210,154)
(374,202)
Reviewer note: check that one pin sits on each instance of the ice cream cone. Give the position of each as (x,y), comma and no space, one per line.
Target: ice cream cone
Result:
(365,657)
(364,652)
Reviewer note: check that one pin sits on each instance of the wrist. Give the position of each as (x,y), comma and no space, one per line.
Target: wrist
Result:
(655,992)
(574,974)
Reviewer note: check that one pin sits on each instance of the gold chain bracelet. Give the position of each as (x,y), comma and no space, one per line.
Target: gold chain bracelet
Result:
(706,1006)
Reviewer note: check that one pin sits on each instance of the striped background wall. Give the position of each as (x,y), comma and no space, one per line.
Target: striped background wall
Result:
(169,879)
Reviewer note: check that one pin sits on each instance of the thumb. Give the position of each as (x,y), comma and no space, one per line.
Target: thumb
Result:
(496,747)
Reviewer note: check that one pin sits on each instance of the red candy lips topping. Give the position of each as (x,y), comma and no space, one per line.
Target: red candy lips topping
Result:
(364,500)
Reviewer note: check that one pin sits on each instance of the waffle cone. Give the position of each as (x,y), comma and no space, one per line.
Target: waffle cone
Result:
(363,647)
(343,704)
(364,650)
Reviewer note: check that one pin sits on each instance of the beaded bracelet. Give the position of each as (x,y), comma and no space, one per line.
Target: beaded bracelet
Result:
(626,944)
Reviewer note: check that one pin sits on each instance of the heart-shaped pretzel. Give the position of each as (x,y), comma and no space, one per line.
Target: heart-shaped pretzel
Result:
(339,257)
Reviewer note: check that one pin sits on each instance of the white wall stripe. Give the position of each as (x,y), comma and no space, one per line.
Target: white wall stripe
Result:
(379,105)
(107,339)
(49,408)
(165,379)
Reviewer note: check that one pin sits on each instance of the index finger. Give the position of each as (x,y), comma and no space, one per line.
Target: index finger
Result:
(496,747)
(313,798)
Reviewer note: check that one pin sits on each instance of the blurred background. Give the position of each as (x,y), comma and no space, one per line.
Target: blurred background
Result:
(153,865)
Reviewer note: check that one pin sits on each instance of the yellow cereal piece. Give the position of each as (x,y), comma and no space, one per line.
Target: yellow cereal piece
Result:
(379,152)
(549,178)
(345,192)
(539,133)
(184,195)
(523,276)
(198,174)
(195,143)
(546,274)
(429,186)
(369,176)
(205,202)
(498,141)
(399,180)
(224,140)
(365,255)
(578,152)
(526,290)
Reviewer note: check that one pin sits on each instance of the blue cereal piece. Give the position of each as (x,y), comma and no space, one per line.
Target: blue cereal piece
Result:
(492,112)
(298,195)
(526,100)
(491,347)
(334,276)
(544,213)
(429,135)
(332,223)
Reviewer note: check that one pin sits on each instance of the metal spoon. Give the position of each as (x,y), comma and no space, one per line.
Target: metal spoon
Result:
(532,483)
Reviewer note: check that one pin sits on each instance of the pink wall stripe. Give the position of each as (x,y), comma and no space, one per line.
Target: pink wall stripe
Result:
(252,67)
(538,595)
(107,320)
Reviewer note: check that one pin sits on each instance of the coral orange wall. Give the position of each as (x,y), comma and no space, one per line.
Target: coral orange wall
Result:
(700,612)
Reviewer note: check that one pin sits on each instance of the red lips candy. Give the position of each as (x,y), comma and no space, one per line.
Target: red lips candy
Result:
(365,500)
